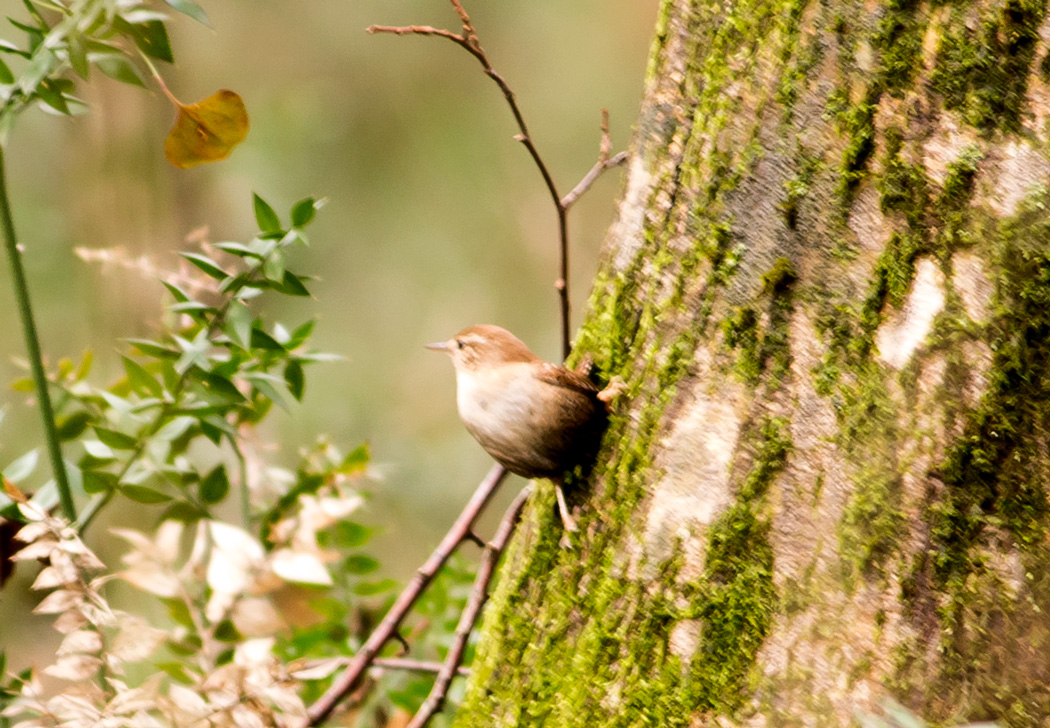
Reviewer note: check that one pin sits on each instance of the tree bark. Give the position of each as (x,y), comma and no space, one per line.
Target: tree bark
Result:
(828,294)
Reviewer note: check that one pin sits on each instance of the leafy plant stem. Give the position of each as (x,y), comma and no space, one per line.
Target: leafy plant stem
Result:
(36,364)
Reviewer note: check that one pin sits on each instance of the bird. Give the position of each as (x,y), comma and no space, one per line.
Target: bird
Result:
(535,418)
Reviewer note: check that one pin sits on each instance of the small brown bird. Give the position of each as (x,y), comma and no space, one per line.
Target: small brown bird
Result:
(535,418)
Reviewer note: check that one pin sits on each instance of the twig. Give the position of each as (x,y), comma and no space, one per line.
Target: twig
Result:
(469,41)
(478,595)
(365,656)
(604,162)
(32,340)
(404,663)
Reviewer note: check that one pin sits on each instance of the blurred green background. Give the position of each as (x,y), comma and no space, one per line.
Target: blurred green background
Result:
(436,218)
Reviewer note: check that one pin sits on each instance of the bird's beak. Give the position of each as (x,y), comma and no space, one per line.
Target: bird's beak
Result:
(437,346)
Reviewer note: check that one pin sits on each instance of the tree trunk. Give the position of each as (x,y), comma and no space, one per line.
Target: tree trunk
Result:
(828,294)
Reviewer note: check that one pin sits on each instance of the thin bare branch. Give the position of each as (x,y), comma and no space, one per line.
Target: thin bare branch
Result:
(591,177)
(478,595)
(356,668)
(409,665)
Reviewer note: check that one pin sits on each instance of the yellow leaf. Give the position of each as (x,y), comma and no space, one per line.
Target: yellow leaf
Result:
(206,131)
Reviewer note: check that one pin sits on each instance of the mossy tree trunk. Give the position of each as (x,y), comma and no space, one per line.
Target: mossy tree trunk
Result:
(828,293)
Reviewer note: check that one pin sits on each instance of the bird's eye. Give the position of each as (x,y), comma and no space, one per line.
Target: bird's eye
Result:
(459,344)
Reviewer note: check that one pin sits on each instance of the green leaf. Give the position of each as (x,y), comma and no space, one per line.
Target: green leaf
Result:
(239,249)
(78,55)
(360,564)
(174,429)
(262,340)
(151,37)
(301,334)
(266,218)
(304,210)
(273,266)
(120,68)
(182,511)
(357,460)
(350,535)
(374,587)
(226,632)
(116,440)
(96,481)
(177,293)
(6,77)
(142,494)
(22,467)
(154,349)
(140,378)
(74,425)
(291,285)
(98,451)
(238,324)
(41,64)
(215,485)
(49,91)
(206,264)
(7,46)
(190,9)
(264,384)
(294,379)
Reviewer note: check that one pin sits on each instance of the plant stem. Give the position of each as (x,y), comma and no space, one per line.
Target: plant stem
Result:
(36,364)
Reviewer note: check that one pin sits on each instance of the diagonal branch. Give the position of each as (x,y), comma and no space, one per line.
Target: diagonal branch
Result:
(355,669)
(478,595)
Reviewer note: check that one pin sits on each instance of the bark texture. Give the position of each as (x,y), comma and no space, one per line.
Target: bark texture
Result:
(828,293)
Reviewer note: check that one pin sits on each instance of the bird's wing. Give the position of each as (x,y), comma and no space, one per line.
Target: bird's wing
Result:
(566,379)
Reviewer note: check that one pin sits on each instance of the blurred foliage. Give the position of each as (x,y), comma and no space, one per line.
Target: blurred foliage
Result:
(438,220)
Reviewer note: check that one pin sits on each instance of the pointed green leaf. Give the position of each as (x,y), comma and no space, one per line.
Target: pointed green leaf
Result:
(115,439)
(266,218)
(22,467)
(206,264)
(142,494)
(74,425)
(291,285)
(215,485)
(304,210)
(42,63)
(6,77)
(239,324)
(177,293)
(120,68)
(294,379)
(190,9)
(154,349)
(78,56)
(360,564)
(140,378)
(262,340)
(96,481)
(273,266)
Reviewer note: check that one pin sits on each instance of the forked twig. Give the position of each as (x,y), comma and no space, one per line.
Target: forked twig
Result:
(386,629)
(478,595)
(468,40)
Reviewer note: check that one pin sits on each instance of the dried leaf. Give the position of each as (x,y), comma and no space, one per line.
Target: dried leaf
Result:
(151,578)
(38,550)
(70,621)
(300,567)
(84,641)
(59,601)
(137,640)
(256,617)
(320,669)
(74,667)
(206,131)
